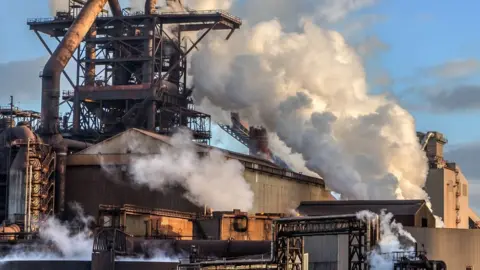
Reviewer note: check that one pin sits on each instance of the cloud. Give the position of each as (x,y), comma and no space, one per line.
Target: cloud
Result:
(358,24)
(21,79)
(444,88)
(466,155)
(335,10)
(474,195)
(457,98)
(371,45)
(382,79)
(454,69)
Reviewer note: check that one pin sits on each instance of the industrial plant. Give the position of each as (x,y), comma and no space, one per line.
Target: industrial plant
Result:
(129,97)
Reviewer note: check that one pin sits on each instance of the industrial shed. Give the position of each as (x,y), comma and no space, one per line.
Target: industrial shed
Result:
(330,252)
(414,213)
(99,172)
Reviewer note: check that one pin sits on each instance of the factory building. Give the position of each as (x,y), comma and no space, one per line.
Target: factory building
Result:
(446,185)
(413,213)
(99,175)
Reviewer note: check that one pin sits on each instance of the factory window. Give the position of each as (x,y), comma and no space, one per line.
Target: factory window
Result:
(424,222)
(465,190)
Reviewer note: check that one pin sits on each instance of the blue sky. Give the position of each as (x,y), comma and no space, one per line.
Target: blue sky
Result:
(424,51)
(428,34)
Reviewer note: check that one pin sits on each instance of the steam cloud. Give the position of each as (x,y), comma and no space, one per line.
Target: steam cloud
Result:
(67,244)
(309,88)
(57,5)
(210,180)
(393,238)
(70,241)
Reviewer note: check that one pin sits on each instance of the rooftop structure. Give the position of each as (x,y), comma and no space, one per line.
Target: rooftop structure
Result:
(446,185)
(408,212)
(132,70)
(97,175)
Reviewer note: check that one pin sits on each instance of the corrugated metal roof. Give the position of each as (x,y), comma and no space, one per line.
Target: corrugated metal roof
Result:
(342,207)
(94,149)
(141,143)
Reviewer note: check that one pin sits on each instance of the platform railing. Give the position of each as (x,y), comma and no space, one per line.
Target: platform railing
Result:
(141,13)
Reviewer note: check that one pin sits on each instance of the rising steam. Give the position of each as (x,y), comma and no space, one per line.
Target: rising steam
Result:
(309,87)
(58,5)
(393,238)
(210,180)
(58,241)
(70,241)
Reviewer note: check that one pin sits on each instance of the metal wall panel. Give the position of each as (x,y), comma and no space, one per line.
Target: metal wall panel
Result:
(342,252)
(322,248)
(457,247)
(273,194)
(91,186)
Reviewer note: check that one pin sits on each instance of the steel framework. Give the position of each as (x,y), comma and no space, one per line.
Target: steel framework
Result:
(131,72)
(289,233)
(10,115)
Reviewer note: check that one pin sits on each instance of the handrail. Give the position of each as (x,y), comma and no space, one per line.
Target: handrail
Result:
(141,13)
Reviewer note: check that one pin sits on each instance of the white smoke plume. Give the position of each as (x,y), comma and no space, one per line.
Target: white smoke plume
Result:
(393,238)
(210,180)
(68,243)
(58,5)
(294,160)
(309,87)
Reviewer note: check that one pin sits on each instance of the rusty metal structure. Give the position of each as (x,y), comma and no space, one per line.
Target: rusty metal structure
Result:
(11,114)
(131,70)
(288,237)
(254,138)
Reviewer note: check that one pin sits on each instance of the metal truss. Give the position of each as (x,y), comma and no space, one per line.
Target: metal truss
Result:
(11,115)
(288,234)
(123,66)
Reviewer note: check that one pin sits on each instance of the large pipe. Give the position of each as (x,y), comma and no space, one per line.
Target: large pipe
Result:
(148,65)
(215,248)
(91,54)
(51,90)
(115,8)
(76,145)
(58,61)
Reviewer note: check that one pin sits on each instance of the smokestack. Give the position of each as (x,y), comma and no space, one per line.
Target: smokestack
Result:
(115,8)
(58,61)
(258,141)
